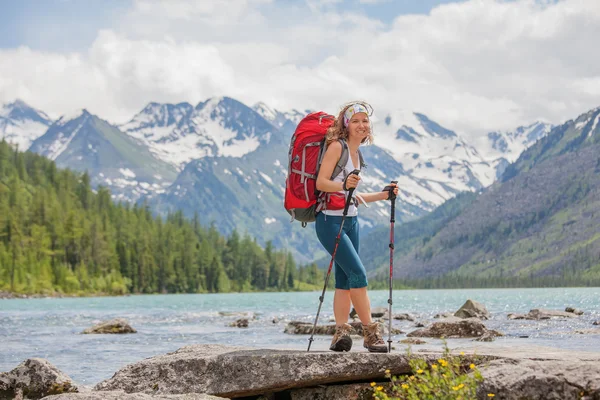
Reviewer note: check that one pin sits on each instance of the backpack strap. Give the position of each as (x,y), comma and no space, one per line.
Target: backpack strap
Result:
(361,160)
(341,164)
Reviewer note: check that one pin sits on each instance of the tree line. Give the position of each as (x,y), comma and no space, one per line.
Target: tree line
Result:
(57,235)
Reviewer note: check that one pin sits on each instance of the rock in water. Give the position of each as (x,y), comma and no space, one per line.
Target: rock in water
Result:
(117,325)
(575,311)
(462,329)
(376,312)
(472,309)
(240,323)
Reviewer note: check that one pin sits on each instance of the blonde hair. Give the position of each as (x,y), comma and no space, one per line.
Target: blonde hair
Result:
(339,131)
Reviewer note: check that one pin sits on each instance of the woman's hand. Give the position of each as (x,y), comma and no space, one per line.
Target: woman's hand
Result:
(351,182)
(392,190)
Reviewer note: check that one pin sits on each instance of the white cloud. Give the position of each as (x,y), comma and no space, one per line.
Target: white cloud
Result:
(373,1)
(474,66)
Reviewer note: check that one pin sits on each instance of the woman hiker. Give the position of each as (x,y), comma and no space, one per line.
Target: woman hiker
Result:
(354,127)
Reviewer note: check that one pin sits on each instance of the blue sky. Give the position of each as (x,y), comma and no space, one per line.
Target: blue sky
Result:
(473,66)
(66,25)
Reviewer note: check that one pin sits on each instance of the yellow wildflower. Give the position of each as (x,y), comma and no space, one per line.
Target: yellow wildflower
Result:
(404,386)
(443,362)
(434,366)
(472,366)
(462,385)
(491,395)
(379,388)
(462,353)
(373,384)
(455,387)
(412,378)
(419,371)
(387,371)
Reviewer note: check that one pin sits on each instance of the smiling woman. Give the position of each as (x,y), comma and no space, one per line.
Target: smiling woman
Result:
(337,225)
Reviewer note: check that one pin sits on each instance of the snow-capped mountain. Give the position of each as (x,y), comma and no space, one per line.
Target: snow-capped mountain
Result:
(181,133)
(284,120)
(84,142)
(21,124)
(510,144)
(228,162)
(437,163)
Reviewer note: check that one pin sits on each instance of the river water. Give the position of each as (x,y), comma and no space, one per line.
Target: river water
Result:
(50,328)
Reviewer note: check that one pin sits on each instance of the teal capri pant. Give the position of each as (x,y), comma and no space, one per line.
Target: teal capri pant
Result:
(349,270)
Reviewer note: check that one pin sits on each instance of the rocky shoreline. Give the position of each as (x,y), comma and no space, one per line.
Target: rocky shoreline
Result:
(211,371)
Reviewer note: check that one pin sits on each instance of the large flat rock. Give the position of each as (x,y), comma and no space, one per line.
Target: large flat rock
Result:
(541,379)
(120,395)
(234,372)
(510,373)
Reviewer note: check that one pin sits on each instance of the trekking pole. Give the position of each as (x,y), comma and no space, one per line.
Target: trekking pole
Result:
(392,220)
(337,242)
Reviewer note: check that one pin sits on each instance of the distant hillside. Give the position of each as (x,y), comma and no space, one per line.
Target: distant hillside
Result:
(84,142)
(58,236)
(541,220)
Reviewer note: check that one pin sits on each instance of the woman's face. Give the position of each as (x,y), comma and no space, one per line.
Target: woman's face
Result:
(359,126)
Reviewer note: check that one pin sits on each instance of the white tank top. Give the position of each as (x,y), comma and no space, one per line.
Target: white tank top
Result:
(352,210)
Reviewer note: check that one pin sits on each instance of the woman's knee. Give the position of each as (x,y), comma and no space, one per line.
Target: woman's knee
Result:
(358,279)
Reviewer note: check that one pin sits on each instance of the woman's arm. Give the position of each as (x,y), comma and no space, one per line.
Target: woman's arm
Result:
(330,159)
(377,196)
(371,197)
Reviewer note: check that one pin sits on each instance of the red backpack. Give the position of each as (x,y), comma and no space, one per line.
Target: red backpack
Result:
(307,148)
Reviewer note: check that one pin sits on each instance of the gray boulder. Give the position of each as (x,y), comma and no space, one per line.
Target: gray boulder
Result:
(236,372)
(240,323)
(541,313)
(488,336)
(540,380)
(462,329)
(596,322)
(305,328)
(472,309)
(114,326)
(34,378)
(356,391)
(575,311)
(376,312)
(404,317)
(120,395)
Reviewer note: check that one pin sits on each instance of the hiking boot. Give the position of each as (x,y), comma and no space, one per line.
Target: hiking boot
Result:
(373,341)
(341,339)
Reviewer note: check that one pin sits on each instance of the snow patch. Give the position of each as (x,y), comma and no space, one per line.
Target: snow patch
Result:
(594,125)
(62,142)
(379,172)
(126,172)
(266,178)
(70,116)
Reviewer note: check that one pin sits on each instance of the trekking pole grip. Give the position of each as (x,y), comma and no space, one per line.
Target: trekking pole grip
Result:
(350,192)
